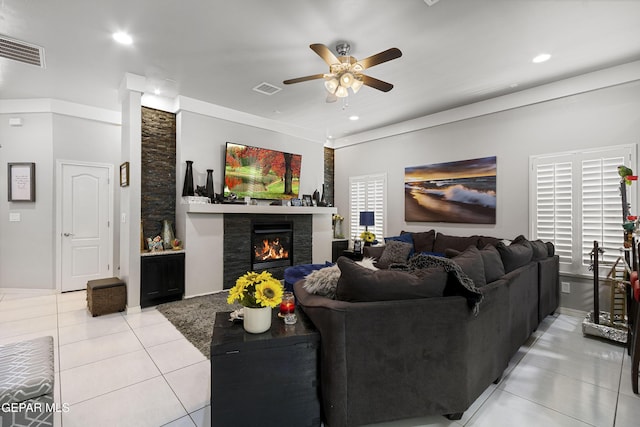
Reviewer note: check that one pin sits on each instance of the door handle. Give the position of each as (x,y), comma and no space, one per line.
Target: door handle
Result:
(67,234)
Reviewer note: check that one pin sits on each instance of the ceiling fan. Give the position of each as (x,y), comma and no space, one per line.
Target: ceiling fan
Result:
(345,71)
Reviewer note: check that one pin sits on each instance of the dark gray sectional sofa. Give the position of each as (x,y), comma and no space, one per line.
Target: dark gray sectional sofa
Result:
(387,356)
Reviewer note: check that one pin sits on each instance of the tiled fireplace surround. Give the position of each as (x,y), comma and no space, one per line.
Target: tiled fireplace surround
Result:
(237,243)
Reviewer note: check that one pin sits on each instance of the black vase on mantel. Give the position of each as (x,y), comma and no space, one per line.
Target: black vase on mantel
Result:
(209,186)
(323,200)
(187,188)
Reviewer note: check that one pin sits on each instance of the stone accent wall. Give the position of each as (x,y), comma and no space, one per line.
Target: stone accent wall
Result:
(329,172)
(237,243)
(158,170)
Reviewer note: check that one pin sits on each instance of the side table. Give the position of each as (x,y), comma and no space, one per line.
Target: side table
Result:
(268,379)
(353,255)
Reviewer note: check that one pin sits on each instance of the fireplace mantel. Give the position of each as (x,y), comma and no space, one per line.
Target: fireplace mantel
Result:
(201,208)
(201,227)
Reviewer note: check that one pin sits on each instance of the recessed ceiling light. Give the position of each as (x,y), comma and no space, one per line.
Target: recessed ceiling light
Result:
(541,58)
(122,38)
(156,91)
(354,118)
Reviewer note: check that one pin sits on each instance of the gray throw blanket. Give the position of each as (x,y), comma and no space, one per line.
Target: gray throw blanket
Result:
(467,287)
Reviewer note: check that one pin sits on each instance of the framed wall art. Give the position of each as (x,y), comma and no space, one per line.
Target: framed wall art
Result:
(21,182)
(124,174)
(459,192)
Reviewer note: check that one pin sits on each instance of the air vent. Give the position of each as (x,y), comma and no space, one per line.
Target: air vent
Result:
(21,51)
(267,88)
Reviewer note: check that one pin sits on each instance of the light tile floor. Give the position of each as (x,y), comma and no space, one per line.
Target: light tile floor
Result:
(137,370)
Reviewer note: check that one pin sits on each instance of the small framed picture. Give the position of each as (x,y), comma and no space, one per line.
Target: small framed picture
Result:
(296,202)
(124,174)
(306,200)
(357,246)
(21,182)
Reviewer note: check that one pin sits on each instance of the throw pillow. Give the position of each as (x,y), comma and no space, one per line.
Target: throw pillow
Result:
(358,284)
(515,255)
(406,237)
(422,241)
(323,282)
(470,261)
(394,252)
(444,242)
(493,267)
(540,250)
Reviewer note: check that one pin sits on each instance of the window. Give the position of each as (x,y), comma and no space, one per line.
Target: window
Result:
(575,199)
(367,193)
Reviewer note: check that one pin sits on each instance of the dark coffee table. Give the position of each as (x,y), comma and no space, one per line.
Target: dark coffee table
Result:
(268,379)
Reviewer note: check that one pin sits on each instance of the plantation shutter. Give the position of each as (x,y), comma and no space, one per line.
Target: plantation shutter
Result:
(367,193)
(554,207)
(602,207)
(575,199)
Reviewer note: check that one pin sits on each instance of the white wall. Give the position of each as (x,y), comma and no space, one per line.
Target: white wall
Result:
(28,248)
(604,117)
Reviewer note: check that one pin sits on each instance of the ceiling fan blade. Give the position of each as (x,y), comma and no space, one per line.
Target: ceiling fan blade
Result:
(303,79)
(324,53)
(381,57)
(331,98)
(376,84)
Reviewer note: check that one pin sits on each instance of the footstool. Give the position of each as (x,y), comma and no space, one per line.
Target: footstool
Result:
(106,296)
(26,383)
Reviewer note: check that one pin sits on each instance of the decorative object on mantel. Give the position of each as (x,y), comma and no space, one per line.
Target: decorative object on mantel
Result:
(187,188)
(209,186)
(259,293)
(196,200)
(316,198)
(323,200)
(167,234)
(176,244)
(201,191)
(155,244)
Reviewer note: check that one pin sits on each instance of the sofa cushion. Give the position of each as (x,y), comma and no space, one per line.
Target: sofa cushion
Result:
(422,241)
(444,241)
(406,238)
(394,252)
(493,267)
(471,263)
(358,284)
(299,272)
(483,241)
(515,255)
(551,249)
(540,250)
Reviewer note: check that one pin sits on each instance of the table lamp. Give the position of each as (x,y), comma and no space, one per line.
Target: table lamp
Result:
(367,218)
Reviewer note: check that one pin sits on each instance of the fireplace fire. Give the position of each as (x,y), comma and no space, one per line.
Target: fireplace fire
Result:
(269,250)
(272,245)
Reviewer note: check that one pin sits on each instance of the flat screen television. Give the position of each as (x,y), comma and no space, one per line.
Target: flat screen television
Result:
(261,173)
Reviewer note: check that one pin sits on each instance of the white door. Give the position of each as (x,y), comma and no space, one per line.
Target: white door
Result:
(85,227)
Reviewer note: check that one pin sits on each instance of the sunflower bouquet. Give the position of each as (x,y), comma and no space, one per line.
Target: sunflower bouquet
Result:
(368,237)
(256,290)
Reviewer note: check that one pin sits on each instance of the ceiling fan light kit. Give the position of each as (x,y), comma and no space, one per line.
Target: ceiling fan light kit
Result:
(345,71)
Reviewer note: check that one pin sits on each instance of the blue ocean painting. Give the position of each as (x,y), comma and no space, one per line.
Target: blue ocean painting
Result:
(459,192)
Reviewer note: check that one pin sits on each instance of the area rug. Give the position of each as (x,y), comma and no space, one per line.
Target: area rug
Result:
(194,317)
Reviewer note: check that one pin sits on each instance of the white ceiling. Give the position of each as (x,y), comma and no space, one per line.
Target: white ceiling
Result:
(455,52)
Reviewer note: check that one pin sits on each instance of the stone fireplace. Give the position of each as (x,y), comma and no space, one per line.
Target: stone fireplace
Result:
(256,242)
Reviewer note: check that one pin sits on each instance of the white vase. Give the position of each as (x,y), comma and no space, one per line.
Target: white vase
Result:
(257,320)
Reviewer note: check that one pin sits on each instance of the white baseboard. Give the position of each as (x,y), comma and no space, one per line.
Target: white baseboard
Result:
(34,292)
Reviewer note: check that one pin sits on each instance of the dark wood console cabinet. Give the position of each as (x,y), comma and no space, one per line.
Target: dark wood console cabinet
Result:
(161,278)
